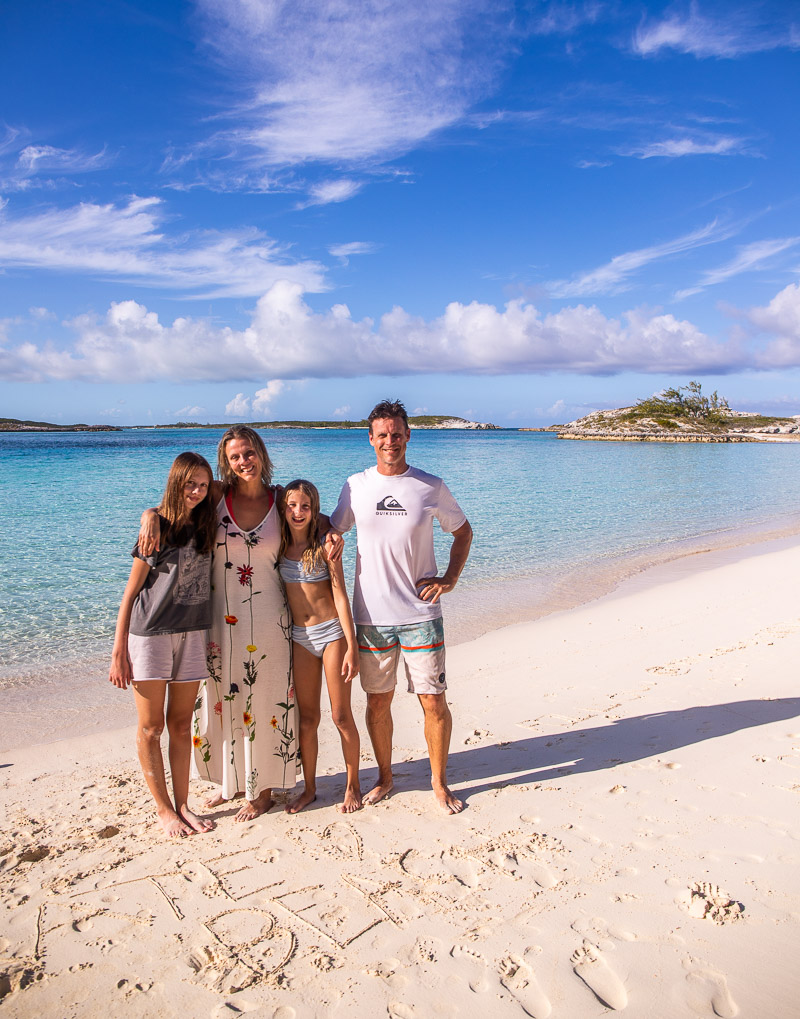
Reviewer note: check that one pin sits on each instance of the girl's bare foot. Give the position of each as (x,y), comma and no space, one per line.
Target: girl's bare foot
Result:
(378,792)
(352,801)
(301,801)
(253,808)
(199,824)
(173,824)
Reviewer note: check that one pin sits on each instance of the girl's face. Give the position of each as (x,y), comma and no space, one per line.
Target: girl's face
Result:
(195,488)
(297,510)
(243,459)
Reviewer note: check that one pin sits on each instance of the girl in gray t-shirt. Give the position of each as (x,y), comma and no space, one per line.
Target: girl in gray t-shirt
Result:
(160,640)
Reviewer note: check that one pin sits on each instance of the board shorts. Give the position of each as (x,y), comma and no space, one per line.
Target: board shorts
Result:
(422,645)
(170,657)
(317,637)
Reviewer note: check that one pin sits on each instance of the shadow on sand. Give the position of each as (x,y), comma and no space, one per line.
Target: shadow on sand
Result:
(577,751)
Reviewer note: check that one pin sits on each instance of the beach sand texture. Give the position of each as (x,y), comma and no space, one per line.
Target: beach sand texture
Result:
(631,841)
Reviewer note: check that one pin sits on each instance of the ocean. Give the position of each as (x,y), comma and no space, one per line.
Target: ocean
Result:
(556,523)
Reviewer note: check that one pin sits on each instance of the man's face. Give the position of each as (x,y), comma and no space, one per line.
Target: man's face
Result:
(389,438)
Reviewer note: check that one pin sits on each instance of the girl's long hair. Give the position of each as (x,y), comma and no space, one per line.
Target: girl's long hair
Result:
(226,475)
(202,522)
(313,555)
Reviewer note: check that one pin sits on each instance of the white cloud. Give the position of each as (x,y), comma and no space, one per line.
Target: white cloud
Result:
(185,413)
(351,82)
(781,319)
(749,257)
(563,18)
(346,251)
(126,242)
(612,278)
(266,396)
(287,340)
(239,406)
(675,148)
(42,314)
(342,412)
(736,31)
(35,158)
(328,191)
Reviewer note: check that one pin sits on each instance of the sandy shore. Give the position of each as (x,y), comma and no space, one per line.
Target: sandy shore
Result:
(631,840)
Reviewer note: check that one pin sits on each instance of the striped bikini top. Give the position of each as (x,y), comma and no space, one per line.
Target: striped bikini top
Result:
(292,572)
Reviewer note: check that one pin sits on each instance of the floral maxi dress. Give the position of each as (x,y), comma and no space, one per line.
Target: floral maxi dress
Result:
(244,729)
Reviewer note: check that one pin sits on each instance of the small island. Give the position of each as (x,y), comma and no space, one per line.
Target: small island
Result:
(684,414)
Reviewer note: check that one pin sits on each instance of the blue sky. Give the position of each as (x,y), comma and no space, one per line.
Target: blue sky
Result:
(518,212)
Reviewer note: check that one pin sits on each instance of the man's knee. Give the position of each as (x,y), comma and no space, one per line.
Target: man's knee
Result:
(379,706)
(435,706)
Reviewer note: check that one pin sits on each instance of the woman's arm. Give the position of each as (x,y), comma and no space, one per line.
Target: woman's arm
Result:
(342,603)
(149,532)
(121,673)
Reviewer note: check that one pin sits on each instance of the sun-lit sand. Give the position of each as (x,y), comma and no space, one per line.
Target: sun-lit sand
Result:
(631,840)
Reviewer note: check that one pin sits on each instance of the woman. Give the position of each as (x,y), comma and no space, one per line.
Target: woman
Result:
(245,731)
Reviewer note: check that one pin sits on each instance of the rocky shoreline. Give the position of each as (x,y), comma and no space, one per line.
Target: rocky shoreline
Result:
(623,425)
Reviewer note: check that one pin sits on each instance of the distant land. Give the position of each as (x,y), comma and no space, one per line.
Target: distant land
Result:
(684,414)
(437,421)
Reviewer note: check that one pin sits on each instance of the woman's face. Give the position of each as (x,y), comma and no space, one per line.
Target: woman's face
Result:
(243,459)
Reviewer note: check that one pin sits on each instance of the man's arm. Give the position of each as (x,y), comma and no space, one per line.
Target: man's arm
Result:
(432,588)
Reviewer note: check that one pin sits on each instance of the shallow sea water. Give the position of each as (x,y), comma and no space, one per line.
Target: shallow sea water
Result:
(555,523)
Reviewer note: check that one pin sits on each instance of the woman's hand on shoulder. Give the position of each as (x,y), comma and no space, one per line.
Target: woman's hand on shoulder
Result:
(149,532)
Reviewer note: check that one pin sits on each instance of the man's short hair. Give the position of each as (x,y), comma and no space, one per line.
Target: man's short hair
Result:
(387,409)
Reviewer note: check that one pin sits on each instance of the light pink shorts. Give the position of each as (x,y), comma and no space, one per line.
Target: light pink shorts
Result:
(169,657)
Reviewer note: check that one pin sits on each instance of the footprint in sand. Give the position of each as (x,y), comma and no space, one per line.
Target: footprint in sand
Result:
(708,986)
(478,978)
(709,902)
(598,976)
(518,979)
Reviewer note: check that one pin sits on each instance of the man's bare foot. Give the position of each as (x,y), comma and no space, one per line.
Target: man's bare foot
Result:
(199,824)
(253,808)
(378,792)
(450,803)
(352,801)
(299,802)
(173,824)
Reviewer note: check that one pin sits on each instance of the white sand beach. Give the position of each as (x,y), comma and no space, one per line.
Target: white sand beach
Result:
(631,840)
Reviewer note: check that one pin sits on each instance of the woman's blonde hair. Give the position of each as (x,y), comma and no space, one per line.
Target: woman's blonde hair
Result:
(313,556)
(226,475)
(202,521)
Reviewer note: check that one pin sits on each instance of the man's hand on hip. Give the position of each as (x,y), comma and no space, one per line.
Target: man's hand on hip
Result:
(432,588)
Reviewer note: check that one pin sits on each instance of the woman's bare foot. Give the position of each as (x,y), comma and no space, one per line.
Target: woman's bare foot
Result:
(306,796)
(217,799)
(447,800)
(378,792)
(253,808)
(352,801)
(173,824)
(199,824)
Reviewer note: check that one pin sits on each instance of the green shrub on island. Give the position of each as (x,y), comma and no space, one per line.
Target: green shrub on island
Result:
(686,402)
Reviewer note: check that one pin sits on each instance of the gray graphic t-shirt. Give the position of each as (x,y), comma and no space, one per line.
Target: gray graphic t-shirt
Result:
(176,596)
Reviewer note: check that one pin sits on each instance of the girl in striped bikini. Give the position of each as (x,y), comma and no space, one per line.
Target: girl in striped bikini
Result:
(323,635)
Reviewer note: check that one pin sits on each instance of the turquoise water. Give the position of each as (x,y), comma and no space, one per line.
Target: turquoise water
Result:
(541,509)
(70,506)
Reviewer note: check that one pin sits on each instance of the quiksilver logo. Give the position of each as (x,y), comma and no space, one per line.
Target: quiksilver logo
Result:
(389,506)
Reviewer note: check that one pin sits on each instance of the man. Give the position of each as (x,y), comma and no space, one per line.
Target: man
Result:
(397,591)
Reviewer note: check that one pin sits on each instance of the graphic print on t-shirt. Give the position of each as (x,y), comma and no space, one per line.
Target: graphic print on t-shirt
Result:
(194,581)
(389,506)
